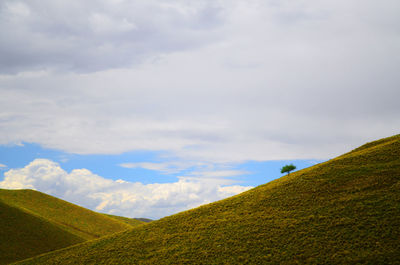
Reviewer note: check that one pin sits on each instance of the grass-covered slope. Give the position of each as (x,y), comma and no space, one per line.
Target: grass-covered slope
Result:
(130,221)
(23,235)
(32,223)
(344,211)
(72,218)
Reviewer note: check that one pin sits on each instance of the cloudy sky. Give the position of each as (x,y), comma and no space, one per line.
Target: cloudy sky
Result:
(147,108)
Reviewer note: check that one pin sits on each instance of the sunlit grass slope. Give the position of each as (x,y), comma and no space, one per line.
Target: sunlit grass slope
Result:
(23,235)
(343,211)
(76,220)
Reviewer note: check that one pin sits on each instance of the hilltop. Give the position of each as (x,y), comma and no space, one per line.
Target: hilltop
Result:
(33,223)
(343,211)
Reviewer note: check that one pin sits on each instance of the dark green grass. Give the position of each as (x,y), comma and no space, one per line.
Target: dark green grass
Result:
(77,220)
(343,211)
(23,235)
(33,223)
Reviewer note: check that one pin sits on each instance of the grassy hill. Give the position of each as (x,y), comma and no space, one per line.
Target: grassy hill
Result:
(24,235)
(75,219)
(343,211)
(33,223)
(130,221)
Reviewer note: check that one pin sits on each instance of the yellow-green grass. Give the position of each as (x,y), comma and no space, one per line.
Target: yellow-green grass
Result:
(33,223)
(130,221)
(343,211)
(77,220)
(23,235)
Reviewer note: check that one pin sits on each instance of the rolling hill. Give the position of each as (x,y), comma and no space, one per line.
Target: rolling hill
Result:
(343,211)
(33,223)
(23,235)
(79,221)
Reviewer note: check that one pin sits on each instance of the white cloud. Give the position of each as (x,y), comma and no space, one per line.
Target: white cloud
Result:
(104,23)
(165,167)
(2,166)
(101,35)
(212,81)
(119,197)
(17,9)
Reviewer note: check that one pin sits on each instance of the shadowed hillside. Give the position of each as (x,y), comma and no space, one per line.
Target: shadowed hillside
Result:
(75,219)
(33,223)
(343,211)
(24,235)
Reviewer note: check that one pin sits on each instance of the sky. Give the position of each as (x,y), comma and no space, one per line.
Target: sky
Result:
(148,108)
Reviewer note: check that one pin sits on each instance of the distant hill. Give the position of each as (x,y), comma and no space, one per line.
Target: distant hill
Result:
(130,221)
(146,220)
(33,223)
(343,211)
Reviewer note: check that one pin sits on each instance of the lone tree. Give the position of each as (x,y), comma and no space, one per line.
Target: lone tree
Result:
(288,168)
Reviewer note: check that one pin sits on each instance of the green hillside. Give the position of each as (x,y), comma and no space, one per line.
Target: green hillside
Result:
(24,235)
(130,221)
(343,211)
(76,220)
(33,223)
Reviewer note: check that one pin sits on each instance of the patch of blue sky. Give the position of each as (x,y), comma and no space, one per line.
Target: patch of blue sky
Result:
(142,166)
(107,166)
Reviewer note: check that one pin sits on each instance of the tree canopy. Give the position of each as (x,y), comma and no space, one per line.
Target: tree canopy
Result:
(288,168)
